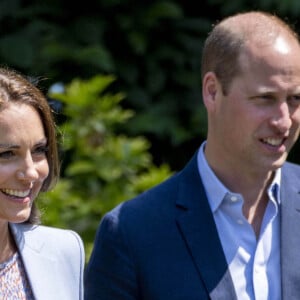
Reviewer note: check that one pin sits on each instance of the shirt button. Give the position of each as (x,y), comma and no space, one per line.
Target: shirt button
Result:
(234,198)
(240,221)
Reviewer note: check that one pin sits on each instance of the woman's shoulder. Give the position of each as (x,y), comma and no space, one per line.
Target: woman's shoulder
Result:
(53,237)
(43,247)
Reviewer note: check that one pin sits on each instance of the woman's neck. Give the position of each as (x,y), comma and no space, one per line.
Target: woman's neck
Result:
(7,244)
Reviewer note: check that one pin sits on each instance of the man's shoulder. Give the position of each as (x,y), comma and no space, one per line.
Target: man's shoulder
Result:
(160,202)
(166,192)
(157,196)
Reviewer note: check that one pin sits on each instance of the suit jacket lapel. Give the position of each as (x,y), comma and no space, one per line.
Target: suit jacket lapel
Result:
(198,229)
(290,237)
(42,270)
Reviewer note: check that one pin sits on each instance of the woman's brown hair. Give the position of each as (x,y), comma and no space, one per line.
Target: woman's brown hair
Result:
(15,87)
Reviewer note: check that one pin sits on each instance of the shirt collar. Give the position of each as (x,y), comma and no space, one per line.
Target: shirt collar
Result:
(215,189)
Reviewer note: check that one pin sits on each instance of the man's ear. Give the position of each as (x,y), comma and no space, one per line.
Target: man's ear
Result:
(210,90)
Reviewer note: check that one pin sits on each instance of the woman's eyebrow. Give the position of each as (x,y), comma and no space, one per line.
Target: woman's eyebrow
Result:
(42,141)
(9,146)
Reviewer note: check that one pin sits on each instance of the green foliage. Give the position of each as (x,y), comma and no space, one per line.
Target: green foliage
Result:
(152,47)
(102,167)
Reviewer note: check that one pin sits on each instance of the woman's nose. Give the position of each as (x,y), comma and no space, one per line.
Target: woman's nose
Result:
(27,170)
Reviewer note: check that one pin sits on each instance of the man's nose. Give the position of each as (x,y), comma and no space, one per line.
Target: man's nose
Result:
(281,119)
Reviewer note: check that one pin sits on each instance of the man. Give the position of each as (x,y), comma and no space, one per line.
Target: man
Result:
(226,226)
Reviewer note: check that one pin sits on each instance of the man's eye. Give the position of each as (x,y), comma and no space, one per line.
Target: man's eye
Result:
(295,98)
(267,97)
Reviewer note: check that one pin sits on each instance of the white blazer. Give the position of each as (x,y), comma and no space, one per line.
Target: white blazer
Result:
(53,260)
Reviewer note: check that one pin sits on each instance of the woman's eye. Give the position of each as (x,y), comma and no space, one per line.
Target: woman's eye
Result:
(41,150)
(6,154)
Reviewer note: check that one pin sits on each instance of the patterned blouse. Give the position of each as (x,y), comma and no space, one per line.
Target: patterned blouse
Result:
(14,284)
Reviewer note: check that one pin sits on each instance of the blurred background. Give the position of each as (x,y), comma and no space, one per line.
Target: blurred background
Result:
(123,78)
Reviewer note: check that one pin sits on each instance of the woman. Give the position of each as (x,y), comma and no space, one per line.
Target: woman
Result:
(36,262)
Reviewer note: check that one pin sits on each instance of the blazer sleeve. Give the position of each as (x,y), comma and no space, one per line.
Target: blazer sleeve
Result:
(78,256)
(110,273)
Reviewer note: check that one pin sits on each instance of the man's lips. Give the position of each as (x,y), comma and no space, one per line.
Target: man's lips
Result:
(275,142)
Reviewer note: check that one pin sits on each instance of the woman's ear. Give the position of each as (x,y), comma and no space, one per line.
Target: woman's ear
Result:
(210,90)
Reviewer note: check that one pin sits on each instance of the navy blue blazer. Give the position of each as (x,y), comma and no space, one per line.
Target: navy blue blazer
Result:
(164,244)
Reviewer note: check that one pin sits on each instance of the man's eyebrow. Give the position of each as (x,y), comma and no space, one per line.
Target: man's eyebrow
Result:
(297,91)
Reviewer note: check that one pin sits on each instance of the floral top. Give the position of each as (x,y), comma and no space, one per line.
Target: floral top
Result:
(14,284)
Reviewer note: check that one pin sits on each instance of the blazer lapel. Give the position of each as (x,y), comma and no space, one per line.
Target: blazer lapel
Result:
(198,229)
(290,237)
(42,270)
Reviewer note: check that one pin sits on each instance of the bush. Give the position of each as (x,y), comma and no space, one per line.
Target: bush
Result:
(101,166)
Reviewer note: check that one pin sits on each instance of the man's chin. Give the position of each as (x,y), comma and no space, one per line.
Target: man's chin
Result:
(278,163)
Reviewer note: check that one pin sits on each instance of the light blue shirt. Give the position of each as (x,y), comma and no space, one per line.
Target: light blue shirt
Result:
(254,264)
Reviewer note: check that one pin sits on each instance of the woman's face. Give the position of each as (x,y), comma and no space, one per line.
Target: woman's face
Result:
(23,161)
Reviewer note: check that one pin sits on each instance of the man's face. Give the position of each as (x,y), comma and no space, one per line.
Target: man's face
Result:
(257,122)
